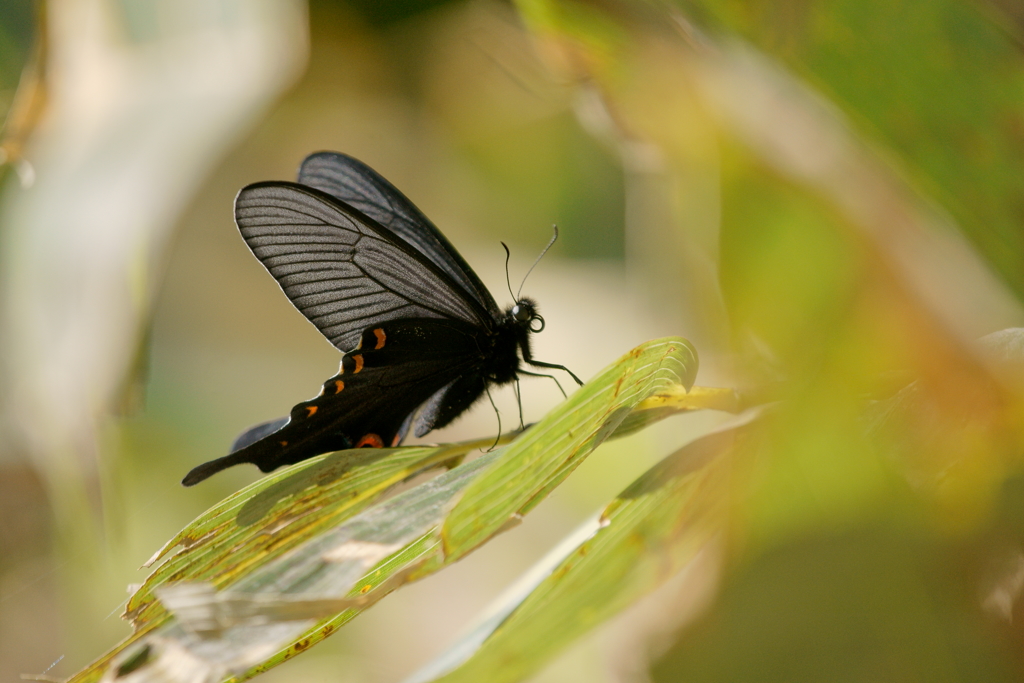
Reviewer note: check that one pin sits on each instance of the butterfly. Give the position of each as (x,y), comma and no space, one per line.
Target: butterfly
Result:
(423,339)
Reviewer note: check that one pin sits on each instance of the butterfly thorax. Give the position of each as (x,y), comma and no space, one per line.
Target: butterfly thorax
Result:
(512,337)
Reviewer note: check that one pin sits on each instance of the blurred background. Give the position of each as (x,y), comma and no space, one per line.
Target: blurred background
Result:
(825,197)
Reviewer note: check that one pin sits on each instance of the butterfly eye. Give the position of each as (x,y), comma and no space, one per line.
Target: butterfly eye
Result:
(536,327)
(522,313)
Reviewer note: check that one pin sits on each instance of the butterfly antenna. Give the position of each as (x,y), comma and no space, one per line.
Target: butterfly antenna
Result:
(550,242)
(508,282)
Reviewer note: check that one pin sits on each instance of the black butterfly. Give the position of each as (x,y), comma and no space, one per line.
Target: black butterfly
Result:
(423,336)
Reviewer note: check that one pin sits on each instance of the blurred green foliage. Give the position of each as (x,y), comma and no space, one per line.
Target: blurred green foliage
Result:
(867,604)
(17,31)
(540,170)
(936,83)
(381,15)
(555,164)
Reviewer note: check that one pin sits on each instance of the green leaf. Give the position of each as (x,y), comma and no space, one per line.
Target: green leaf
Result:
(675,401)
(640,540)
(289,552)
(542,457)
(269,517)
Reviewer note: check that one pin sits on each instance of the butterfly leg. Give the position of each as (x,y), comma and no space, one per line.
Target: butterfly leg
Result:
(498,414)
(541,374)
(519,402)
(539,364)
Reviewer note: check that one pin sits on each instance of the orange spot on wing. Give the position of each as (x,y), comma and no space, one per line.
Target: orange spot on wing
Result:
(358,360)
(312,410)
(381,337)
(338,386)
(370,441)
(283,443)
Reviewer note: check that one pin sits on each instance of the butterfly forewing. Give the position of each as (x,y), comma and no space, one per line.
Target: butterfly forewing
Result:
(339,267)
(358,185)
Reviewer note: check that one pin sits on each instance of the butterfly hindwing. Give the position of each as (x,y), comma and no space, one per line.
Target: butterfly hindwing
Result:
(342,270)
(397,367)
(257,432)
(358,185)
(449,402)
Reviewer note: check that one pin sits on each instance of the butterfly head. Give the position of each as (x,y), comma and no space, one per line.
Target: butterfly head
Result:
(524,314)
